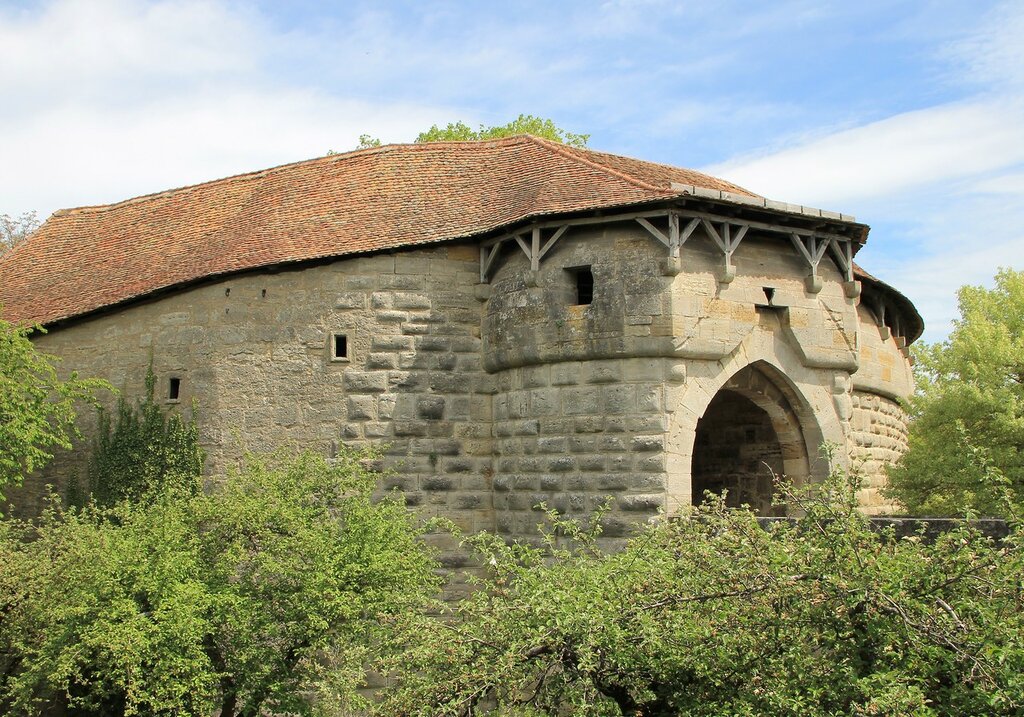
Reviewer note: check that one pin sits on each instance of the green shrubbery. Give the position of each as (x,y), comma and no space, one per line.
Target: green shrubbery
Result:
(264,595)
(276,590)
(37,409)
(274,593)
(712,614)
(966,449)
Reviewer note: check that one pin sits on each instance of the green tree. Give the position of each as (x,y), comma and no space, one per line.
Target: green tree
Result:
(460,131)
(966,439)
(16,229)
(144,451)
(366,142)
(713,614)
(523,124)
(265,595)
(37,408)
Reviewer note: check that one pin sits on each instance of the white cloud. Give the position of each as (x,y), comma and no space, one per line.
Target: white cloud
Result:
(993,56)
(88,48)
(75,155)
(900,154)
(119,98)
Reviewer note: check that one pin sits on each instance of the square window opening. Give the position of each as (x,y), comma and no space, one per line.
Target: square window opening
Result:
(583,279)
(173,388)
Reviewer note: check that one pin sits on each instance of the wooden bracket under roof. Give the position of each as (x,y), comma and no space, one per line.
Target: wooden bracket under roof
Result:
(537,239)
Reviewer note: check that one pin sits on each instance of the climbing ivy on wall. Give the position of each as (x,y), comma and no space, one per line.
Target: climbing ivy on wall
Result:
(143,450)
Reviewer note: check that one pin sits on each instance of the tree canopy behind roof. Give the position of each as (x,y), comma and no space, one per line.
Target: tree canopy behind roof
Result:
(460,131)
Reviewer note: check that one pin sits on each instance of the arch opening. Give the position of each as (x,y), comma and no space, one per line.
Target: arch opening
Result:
(749,435)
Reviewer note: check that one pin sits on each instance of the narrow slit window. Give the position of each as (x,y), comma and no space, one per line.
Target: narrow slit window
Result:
(339,347)
(584,280)
(173,389)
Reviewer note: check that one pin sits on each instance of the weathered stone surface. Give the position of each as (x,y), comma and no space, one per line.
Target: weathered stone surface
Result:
(490,402)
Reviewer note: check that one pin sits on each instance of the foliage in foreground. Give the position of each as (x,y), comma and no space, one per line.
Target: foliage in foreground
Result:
(460,132)
(37,408)
(966,451)
(712,614)
(143,451)
(262,596)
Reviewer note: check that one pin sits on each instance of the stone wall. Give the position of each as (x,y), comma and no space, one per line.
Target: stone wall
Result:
(492,400)
(879,438)
(253,352)
(878,435)
(575,435)
(640,364)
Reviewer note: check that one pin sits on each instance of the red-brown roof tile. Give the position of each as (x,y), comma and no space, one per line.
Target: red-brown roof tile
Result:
(82,260)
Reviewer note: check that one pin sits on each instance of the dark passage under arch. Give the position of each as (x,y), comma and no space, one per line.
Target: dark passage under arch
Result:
(748,435)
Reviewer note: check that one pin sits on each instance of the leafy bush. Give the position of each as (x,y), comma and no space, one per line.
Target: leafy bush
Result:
(264,595)
(713,614)
(966,451)
(37,408)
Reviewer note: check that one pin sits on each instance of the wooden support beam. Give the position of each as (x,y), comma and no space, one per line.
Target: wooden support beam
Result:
(727,242)
(554,237)
(763,226)
(811,248)
(524,246)
(724,238)
(535,249)
(842,252)
(583,221)
(726,232)
(741,232)
(685,234)
(654,231)
(685,213)
(487,257)
(713,233)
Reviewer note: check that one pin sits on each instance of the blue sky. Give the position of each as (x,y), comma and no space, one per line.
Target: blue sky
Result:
(909,115)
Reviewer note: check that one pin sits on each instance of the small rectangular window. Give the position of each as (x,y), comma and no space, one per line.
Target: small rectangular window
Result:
(584,284)
(339,347)
(173,388)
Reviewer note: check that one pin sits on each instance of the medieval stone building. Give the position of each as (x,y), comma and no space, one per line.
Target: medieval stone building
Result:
(517,320)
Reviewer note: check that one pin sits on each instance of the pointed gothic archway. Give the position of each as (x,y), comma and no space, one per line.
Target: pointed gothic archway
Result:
(749,433)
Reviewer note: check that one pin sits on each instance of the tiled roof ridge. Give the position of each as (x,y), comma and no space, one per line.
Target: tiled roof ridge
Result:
(584,154)
(561,149)
(327,158)
(578,155)
(242,176)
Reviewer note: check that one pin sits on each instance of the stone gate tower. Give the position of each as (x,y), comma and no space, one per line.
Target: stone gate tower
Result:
(516,320)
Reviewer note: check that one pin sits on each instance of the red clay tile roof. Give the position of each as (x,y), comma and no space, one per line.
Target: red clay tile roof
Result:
(382,198)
